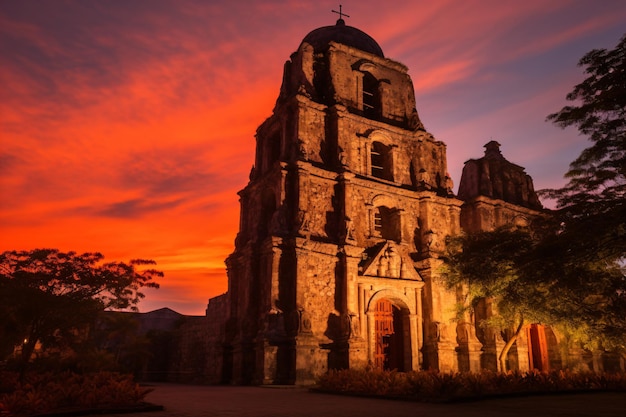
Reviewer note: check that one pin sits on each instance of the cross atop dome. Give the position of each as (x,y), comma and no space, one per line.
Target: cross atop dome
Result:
(341,15)
(341,33)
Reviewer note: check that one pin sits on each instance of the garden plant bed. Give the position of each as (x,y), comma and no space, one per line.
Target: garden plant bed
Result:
(432,386)
(70,394)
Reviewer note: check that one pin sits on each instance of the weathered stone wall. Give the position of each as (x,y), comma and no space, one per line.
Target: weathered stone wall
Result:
(190,362)
(318,205)
(217,314)
(310,139)
(494,177)
(318,298)
(487,214)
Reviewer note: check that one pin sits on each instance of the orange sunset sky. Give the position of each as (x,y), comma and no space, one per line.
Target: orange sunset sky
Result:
(127,127)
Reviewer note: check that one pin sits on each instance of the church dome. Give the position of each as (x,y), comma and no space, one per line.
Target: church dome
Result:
(346,35)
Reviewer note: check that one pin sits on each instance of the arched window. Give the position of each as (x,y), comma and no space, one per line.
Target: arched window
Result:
(371,96)
(381,161)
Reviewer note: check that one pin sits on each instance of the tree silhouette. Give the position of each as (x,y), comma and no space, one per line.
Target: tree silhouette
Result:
(595,196)
(48,296)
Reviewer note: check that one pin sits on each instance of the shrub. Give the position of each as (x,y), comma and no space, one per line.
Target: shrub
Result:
(44,393)
(437,386)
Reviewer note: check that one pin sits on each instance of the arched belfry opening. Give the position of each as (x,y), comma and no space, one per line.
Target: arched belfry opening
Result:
(371,96)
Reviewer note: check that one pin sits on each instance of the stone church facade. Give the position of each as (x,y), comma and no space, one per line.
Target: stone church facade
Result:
(342,224)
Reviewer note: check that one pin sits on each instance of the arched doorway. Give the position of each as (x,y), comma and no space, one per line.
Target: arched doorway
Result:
(389,336)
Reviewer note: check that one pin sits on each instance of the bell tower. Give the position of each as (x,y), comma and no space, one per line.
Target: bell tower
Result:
(348,205)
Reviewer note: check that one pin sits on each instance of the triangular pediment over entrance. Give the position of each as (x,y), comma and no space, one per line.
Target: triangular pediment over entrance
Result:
(389,260)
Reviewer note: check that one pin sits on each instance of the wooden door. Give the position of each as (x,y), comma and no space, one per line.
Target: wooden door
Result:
(389,352)
(384,329)
(538,348)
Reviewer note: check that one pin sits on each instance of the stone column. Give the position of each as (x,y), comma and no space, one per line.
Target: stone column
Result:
(522,342)
(237,364)
(357,353)
(271,333)
(303,220)
(348,212)
(499,345)
(352,258)
(474,348)
(361,311)
(598,363)
(393,155)
(419,326)
(358,76)
(266,358)
(371,337)
(472,344)
(275,271)
(414,320)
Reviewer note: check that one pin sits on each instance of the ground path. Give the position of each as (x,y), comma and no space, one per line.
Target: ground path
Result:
(227,401)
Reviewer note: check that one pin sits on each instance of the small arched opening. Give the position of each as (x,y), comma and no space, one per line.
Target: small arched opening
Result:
(387,223)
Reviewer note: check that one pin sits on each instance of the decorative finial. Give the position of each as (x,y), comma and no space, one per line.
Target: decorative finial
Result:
(492,149)
(341,15)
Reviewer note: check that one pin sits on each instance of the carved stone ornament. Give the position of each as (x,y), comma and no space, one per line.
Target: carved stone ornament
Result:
(390,262)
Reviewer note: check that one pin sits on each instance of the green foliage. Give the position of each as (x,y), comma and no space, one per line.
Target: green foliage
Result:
(536,275)
(51,297)
(594,199)
(66,392)
(429,386)
(488,266)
